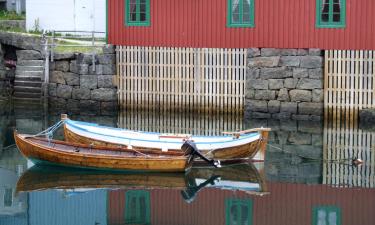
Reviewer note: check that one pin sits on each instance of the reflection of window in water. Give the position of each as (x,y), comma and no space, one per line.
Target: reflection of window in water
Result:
(238,212)
(137,207)
(326,215)
(8,197)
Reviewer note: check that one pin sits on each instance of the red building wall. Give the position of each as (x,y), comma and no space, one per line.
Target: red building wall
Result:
(278,24)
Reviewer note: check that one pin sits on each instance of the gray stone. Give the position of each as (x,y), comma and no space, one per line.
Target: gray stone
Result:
(62,66)
(317,139)
(73,66)
(253,52)
(252,73)
(289,107)
(55,102)
(367,119)
(81,93)
(107,59)
(64,91)
(57,77)
(273,124)
(260,115)
(282,137)
(89,107)
(300,117)
(64,56)
(289,125)
(108,108)
(21,41)
(257,84)
(311,127)
(73,106)
(317,95)
(105,81)
(289,51)
(52,89)
(299,138)
(310,108)
(265,95)
(270,51)
(85,58)
(274,106)
(28,54)
(109,49)
(305,151)
(300,95)
(82,69)
(311,62)
(309,84)
(276,84)
(109,69)
(250,93)
(281,116)
(98,70)
(300,73)
(264,61)
(104,94)
(290,83)
(71,79)
(256,106)
(316,118)
(87,81)
(302,51)
(275,73)
(283,95)
(315,52)
(289,61)
(316,73)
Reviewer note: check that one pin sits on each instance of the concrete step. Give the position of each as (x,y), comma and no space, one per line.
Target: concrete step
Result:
(27,78)
(29,68)
(27,95)
(27,89)
(30,73)
(28,83)
(27,106)
(30,63)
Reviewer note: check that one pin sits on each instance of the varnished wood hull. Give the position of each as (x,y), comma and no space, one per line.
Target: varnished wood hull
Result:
(63,154)
(254,150)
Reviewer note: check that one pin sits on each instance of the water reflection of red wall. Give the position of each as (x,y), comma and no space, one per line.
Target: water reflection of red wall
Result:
(286,204)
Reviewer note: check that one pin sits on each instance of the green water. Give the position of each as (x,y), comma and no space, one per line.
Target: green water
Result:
(308,177)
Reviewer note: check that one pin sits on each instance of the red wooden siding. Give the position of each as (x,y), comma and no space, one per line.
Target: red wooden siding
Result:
(286,204)
(278,24)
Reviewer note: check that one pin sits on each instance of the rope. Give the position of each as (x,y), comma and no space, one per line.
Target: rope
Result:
(49,131)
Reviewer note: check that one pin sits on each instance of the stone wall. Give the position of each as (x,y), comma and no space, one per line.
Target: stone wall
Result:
(8,24)
(284,83)
(77,88)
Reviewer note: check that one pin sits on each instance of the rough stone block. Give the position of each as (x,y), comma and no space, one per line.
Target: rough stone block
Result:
(282,137)
(289,125)
(64,56)
(264,61)
(98,70)
(73,66)
(256,106)
(88,81)
(289,51)
(274,106)
(89,107)
(109,49)
(310,108)
(260,115)
(105,81)
(312,127)
(64,91)
(56,103)
(311,62)
(62,66)
(309,84)
(109,69)
(290,83)
(73,106)
(108,108)
(57,77)
(317,95)
(302,51)
(104,94)
(81,93)
(281,116)
(265,95)
(275,73)
(252,73)
(316,73)
(71,79)
(85,58)
(289,107)
(273,124)
(52,88)
(250,93)
(299,138)
(275,84)
(300,95)
(283,95)
(300,73)
(290,61)
(82,69)
(253,52)
(270,52)
(257,84)
(305,151)
(301,117)
(317,139)
(107,59)
(28,55)
(315,52)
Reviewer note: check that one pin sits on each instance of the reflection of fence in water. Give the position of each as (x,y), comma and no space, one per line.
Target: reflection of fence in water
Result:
(180,122)
(344,140)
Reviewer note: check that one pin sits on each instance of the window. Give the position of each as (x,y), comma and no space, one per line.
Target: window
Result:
(330,13)
(327,215)
(238,211)
(137,207)
(137,12)
(240,13)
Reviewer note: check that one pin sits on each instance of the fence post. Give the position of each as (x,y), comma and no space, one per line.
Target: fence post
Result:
(93,50)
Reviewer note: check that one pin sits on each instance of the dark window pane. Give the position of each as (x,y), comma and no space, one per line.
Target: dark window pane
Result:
(336,8)
(133,17)
(246,18)
(142,1)
(142,7)
(246,6)
(236,18)
(143,17)
(336,17)
(325,17)
(132,8)
(325,7)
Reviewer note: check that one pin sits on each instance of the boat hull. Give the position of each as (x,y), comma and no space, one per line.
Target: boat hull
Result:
(95,158)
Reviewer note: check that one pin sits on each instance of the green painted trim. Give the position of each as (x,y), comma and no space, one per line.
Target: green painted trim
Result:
(327,209)
(231,24)
(238,202)
(137,23)
(139,218)
(330,23)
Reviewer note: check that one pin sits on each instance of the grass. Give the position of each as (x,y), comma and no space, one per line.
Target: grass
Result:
(11,15)
(63,47)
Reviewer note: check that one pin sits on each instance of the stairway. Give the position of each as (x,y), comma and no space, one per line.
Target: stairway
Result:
(28,80)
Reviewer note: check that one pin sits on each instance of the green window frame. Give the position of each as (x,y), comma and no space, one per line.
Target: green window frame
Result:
(137,12)
(330,13)
(240,13)
(137,207)
(330,215)
(238,211)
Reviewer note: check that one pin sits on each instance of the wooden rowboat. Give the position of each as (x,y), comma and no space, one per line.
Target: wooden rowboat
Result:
(248,144)
(60,153)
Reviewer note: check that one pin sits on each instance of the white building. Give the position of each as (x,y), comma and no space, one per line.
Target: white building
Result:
(67,15)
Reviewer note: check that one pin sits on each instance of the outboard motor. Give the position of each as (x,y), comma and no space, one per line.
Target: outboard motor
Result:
(190,148)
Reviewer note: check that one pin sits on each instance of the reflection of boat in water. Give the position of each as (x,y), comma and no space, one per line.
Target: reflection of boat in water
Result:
(242,177)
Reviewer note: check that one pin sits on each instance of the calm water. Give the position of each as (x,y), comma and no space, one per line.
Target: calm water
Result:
(308,177)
